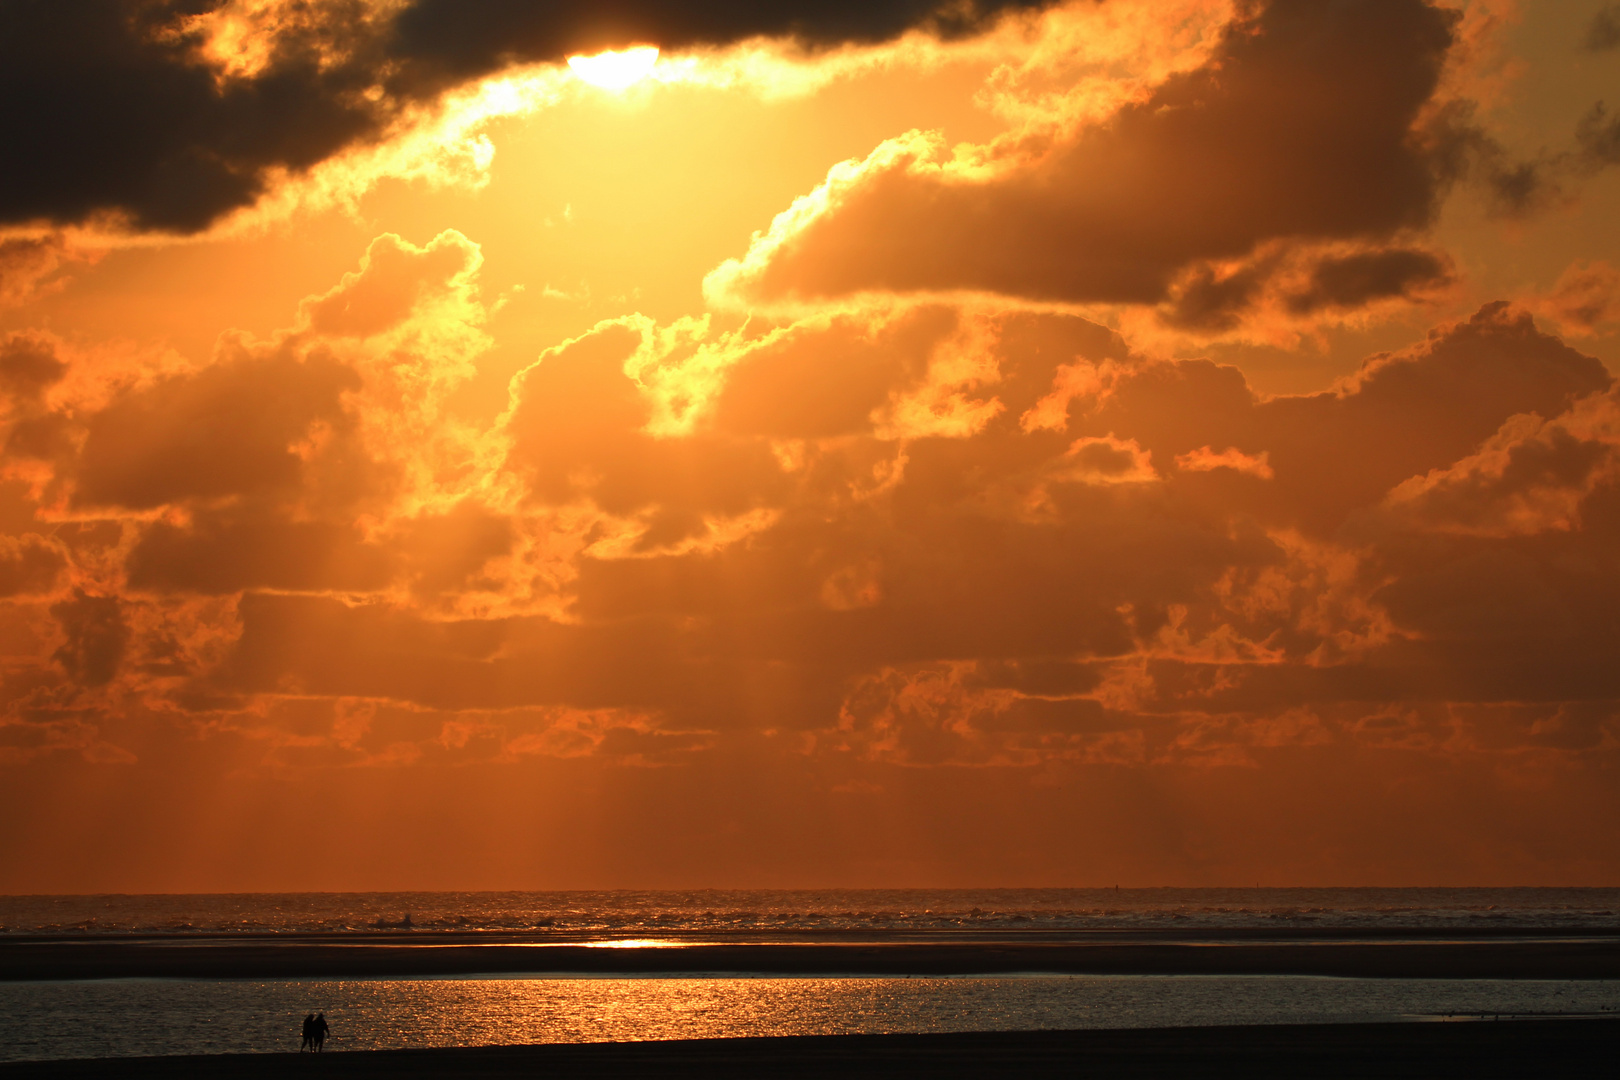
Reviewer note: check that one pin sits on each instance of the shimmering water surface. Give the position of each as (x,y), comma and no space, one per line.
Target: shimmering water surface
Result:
(648,914)
(123,1017)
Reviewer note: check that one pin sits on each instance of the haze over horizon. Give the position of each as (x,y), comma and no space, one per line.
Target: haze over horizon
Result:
(680,445)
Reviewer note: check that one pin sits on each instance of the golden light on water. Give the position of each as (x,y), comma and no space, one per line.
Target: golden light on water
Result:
(490,1011)
(615,70)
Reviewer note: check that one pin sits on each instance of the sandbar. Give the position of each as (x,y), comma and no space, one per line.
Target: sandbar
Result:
(339,956)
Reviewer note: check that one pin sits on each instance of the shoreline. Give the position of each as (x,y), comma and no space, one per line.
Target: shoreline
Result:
(1519,957)
(1545,1047)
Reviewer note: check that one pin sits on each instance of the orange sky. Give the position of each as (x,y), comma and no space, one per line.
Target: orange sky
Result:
(1079,444)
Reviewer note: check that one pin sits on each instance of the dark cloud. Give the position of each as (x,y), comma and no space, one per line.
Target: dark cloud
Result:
(108,106)
(227,430)
(1586,295)
(1352,281)
(1598,135)
(29,565)
(1603,32)
(1402,415)
(1514,186)
(28,365)
(97,637)
(231,550)
(1211,301)
(1299,126)
(464,40)
(1527,483)
(1520,187)
(28,263)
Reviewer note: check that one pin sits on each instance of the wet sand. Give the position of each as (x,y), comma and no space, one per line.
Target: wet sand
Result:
(1540,1048)
(1593,957)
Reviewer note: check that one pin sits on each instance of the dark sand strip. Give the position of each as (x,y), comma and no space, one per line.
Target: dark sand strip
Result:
(1580,959)
(1543,1048)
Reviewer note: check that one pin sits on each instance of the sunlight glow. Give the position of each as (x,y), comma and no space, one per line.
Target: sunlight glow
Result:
(616,70)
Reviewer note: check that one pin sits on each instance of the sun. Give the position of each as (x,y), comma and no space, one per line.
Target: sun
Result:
(615,70)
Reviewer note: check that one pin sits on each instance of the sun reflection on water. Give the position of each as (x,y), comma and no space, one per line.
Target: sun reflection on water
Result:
(91,1018)
(636,943)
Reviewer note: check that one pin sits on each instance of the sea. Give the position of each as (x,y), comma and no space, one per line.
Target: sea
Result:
(92,1018)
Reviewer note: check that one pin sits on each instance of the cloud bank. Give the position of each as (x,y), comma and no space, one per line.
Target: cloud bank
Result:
(164,116)
(919,535)
(1270,139)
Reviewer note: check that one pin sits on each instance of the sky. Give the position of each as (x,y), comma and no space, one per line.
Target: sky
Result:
(681,445)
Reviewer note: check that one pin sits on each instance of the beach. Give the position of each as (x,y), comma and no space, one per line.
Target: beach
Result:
(1543,1048)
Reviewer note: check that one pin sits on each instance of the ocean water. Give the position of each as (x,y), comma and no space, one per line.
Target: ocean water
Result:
(796,912)
(124,1017)
(137,1017)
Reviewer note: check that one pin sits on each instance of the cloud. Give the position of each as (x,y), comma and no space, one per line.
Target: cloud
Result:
(164,116)
(1586,296)
(276,463)
(321,419)
(28,367)
(27,264)
(97,638)
(938,534)
(1598,135)
(1401,415)
(126,120)
(951,714)
(1352,281)
(227,430)
(29,565)
(448,551)
(394,279)
(1105,460)
(842,576)
(463,42)
(579,429)
(1272,137)
(1204,459)
(1530,477)
(1603,32)
(1286,287)
(873,563)
(226,551)
(825,379)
